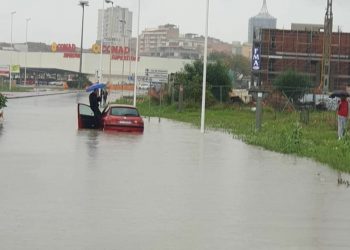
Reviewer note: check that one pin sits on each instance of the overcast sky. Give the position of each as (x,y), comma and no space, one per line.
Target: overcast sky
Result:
(60,20)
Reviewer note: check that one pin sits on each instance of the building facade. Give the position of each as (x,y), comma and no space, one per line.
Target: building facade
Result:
(153,40)
(276,51)
(117,26)
(242,49)
(166,41)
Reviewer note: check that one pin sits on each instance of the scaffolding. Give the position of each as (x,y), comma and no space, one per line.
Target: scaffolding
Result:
(327,47)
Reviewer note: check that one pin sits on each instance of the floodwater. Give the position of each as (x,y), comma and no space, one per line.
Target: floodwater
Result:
(169,188)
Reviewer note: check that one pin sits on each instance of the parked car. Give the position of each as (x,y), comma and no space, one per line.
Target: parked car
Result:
(115,117)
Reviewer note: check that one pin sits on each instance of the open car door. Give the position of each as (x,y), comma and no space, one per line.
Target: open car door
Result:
(86,117)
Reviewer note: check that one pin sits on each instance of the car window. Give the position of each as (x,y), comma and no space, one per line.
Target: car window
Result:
(85,110)
(122,111)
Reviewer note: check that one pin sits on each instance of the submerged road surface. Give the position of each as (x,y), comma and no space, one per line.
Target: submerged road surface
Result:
(169,188)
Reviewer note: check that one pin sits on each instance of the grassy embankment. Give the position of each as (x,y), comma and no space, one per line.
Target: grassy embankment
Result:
(280,132)
(5,88)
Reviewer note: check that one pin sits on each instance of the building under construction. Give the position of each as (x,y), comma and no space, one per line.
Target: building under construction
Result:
(302,51)
(313,50)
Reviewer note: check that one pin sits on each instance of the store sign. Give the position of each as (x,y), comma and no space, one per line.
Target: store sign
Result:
(16,69)
(125,58)
(96,48)
(4,70)
(71,55)
(256,58)
(63,47)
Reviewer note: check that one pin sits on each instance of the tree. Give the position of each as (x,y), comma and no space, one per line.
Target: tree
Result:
(237,63)
(292,84)
(217,76)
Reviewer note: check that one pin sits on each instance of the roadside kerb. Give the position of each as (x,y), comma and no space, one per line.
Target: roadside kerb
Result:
(14,95)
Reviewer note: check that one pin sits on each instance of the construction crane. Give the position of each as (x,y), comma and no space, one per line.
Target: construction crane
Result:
(327,45)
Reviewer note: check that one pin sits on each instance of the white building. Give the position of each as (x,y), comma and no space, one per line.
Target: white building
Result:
(69,61)
(117,26)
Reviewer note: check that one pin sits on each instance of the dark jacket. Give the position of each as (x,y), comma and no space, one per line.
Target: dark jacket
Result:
(94,100)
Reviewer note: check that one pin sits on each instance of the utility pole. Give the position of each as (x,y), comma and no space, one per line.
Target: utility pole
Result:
(111,43)
(25,60)
(82,4)
(12,13)
(327,43)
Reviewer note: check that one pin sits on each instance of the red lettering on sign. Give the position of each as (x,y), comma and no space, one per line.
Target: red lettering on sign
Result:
(71,55)
(66,47)
(115,49)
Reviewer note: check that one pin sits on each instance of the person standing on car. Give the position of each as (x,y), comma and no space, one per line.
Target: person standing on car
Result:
(342,112)
(94,100)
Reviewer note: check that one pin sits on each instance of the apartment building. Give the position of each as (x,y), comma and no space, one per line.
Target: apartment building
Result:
(166,41)
(117,26)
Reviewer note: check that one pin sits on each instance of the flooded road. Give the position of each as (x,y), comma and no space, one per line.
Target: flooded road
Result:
(169,188)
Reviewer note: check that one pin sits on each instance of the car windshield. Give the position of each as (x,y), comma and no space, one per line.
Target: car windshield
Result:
(124,111)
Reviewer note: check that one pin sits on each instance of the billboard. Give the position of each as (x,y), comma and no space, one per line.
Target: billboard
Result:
(4,70)
(256,58)
(16,69)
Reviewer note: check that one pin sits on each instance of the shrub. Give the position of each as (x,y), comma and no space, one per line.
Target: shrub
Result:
(3,100)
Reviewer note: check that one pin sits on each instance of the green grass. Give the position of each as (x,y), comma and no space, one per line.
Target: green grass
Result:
(280,132)
(5,88)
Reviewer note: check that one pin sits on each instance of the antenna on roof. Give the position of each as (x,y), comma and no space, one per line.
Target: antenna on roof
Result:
(264,8)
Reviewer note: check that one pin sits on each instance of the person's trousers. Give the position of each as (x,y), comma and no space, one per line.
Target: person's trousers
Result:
(341,125)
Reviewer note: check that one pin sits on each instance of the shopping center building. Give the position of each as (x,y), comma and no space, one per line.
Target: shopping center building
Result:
(118,63)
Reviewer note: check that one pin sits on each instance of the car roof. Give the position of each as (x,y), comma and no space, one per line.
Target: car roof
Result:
(121,106)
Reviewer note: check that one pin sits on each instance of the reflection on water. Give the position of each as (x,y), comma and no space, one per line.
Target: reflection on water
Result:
(168,188)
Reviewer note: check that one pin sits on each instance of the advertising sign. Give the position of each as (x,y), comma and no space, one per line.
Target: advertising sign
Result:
(63,47)
(15,69)
(256,58)
(4,70)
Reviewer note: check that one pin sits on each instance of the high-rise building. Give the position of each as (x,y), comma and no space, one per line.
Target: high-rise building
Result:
(117,26)
(262,20)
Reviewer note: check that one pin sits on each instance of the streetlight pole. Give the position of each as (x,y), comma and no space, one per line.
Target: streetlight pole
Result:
(123,22)
(137,51)
(82,4)
(12,13)
(110,47)
(129,47)
(101,38)
(25,63)
(205,67)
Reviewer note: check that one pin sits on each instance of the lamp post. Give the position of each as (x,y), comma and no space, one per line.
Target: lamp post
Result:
(137,51)
(82,4)
(25,60)
(205,67)
(123,22)
(101,38)
(110,47)
(129,52)
(12,13)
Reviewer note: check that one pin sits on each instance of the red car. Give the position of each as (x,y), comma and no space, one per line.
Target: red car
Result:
(115,117)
